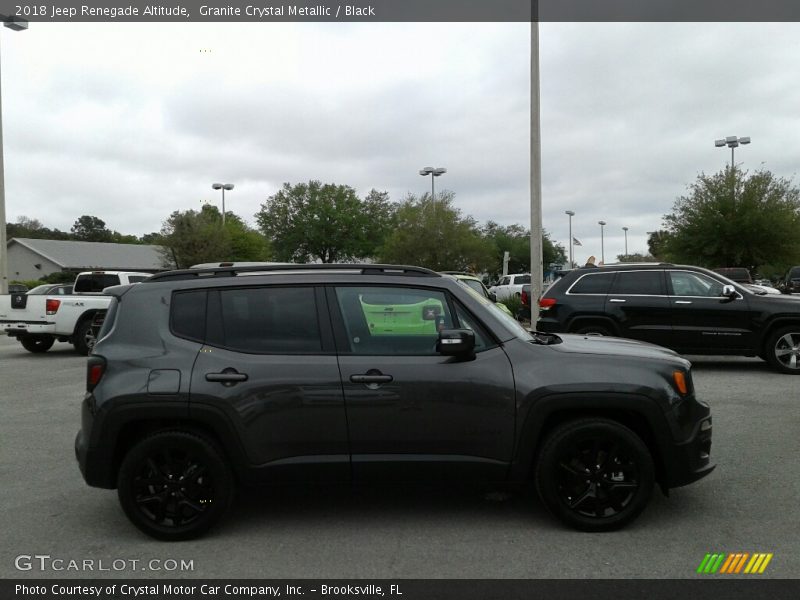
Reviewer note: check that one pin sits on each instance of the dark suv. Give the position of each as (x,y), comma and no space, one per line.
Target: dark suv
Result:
(791,281)
(202,379)
(688,309)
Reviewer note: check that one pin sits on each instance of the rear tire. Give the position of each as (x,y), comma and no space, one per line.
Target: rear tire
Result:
(594,474)
(600,330)
(84,340)
(37,343)
(174,485)
(782,350)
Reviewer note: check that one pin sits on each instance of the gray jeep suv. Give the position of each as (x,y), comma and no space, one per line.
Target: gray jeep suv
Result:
(204,379)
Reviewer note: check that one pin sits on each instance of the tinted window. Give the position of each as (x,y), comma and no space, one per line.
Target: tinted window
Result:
(384,320)
(467,321)
(505,281)
(522,279)
(594,283)
(136,278)
(643,283)
(685,283)
(188,314)
(275,320)
(95,282)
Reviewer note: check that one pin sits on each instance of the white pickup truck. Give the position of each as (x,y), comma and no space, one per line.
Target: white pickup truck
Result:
(510,285)
(38,321)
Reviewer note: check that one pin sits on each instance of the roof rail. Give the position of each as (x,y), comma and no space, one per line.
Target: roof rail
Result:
(366,269)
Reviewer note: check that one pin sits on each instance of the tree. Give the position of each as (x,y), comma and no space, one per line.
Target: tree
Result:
(327,222)
(516,239)
(26,227)
(91,229)
(733,219)
(433,234)
(636,257)
(191,237)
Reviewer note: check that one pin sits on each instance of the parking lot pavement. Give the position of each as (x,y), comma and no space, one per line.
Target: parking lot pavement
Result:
(749,504)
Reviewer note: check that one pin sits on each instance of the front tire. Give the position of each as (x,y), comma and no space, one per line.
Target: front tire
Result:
(37,343)
(174,485)
(594,474)
(782,350)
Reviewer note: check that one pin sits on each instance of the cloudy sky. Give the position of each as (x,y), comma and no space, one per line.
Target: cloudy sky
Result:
(129,122)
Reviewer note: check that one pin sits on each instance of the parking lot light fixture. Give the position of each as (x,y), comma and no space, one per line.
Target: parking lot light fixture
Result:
(732,142)
(433,172)
(223,187)
(13,24)
(602,243)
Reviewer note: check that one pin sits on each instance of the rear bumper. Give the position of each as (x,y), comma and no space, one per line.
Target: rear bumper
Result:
(95,462)
(22,328)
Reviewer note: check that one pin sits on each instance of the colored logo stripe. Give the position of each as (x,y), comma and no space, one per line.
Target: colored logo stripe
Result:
(733,563)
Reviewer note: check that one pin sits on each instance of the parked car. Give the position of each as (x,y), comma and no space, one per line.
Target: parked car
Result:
(476,284)
(791,281)
(296,384)
(51,289)
(510,285)
(742,276)
(37,321)
(688,309)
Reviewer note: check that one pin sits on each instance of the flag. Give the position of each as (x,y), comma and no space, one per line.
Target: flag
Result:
(576,242)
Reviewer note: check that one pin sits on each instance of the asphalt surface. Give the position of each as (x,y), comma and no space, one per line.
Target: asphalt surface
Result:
(749,504)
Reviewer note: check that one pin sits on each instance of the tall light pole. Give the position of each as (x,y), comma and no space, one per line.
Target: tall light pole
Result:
(732,142)
(602,243)
(433,173)
(536,173)
(223,187)
(14,25)
(625,229)
(571,214)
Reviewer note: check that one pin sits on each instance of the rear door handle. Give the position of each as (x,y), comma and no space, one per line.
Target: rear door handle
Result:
(683,301)
(616,300)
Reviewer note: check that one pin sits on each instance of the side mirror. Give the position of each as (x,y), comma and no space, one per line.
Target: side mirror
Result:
(456,342)
(492,296)
(728,291)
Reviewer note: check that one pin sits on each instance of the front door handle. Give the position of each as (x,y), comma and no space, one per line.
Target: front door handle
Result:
(368,378)
(683,301)
(227,377)
(616,300)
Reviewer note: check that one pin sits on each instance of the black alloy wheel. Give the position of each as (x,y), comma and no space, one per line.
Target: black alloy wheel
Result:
(174,485)
(595,474)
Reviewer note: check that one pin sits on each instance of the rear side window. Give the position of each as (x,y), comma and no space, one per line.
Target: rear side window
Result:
(639,283)
(188,315)
(136,278)
(522,279)
(270,320)
(593,283)
(95,282)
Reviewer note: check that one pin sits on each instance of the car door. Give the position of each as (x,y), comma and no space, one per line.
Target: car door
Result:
(269,368)
(638,303)
(412,413)
(705,321)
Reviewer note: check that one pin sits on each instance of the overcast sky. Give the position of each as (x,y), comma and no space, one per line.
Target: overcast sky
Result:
(129,122)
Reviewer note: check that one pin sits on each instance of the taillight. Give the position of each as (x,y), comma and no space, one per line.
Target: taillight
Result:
(524,298)
(95,369)
(51,306)
(546,303)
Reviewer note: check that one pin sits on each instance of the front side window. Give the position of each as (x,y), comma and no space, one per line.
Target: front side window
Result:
(393,320)
(638,283)
(686,283)
(270,320)
(475,285)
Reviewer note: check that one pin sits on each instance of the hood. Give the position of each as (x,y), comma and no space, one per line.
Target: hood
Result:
(616,347)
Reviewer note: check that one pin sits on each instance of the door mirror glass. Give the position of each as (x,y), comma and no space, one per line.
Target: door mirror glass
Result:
(456,342)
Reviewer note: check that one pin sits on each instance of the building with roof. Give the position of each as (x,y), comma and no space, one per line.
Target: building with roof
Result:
(34,259)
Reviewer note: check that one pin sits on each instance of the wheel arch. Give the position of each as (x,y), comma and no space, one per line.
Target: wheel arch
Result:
(584,320)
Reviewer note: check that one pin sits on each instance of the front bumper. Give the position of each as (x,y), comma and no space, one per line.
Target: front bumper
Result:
(690,459)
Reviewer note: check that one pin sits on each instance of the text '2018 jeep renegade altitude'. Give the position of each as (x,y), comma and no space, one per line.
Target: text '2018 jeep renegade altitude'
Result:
(204,379)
